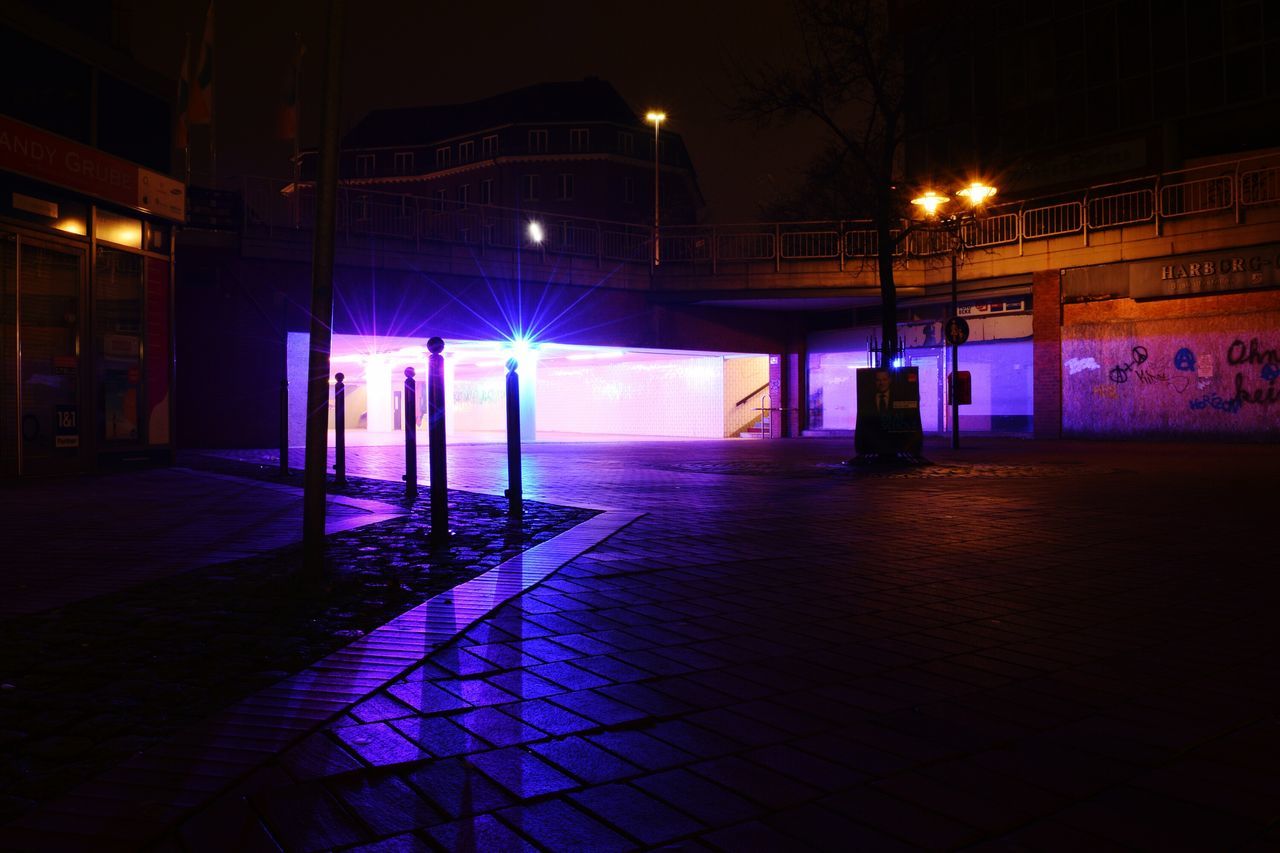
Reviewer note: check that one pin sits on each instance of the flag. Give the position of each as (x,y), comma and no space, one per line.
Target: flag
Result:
(180,135)
(287,120)
(200,104)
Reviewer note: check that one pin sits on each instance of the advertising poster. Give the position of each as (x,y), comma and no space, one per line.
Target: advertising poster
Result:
(888,411)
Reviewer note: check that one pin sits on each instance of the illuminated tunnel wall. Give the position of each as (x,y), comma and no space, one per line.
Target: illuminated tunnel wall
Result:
(567,392)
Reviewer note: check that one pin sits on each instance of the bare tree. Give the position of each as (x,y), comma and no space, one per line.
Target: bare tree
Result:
(848,76)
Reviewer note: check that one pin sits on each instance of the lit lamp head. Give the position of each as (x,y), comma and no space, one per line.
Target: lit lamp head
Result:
(655,117)
(930,202)
(536,234)
(977,193)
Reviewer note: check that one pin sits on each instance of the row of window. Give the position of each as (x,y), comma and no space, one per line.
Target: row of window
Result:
(404,163)
(530,190)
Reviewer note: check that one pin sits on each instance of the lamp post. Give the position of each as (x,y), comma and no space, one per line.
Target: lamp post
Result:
(975,194)
(656,118)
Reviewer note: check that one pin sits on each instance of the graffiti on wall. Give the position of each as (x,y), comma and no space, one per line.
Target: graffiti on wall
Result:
(1165,384)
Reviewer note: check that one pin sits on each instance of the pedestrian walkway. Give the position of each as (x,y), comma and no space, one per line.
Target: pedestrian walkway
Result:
(1026,645)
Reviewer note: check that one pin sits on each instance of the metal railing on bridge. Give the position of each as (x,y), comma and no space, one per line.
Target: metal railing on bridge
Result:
(284,211)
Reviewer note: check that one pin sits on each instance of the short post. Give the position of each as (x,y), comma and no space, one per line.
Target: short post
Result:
(284,425)
(436,446)
(410,438)
(339,431)
(515,498)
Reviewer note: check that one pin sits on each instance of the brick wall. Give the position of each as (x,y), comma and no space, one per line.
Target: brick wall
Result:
(1046,331)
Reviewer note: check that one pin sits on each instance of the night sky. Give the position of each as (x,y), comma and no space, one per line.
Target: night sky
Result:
(672,55)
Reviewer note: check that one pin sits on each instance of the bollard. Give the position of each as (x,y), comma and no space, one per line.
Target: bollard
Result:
(284,426)
(515,498)
(410,438)
(339,431)
(436,442)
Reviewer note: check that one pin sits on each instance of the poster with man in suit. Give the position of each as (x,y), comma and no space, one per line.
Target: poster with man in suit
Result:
(888,412)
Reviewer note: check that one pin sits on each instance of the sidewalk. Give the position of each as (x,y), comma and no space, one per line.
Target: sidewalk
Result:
(1027,645)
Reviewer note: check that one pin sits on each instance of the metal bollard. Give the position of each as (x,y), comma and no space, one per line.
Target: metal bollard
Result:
(515,497)
(410,438)
(339,431)
(284,426)
(436,442)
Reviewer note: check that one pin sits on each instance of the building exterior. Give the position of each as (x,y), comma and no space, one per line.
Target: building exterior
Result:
(87,216)
(569,149)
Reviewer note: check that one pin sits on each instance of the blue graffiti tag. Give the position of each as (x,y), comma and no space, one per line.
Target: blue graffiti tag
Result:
(1270,372)
(1213,401)
(1185,359)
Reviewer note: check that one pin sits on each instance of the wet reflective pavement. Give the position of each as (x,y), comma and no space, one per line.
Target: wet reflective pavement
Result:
(1028,645)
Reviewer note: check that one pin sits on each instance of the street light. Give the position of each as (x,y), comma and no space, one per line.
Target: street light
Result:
(656,118)
(975,194)
(536,234)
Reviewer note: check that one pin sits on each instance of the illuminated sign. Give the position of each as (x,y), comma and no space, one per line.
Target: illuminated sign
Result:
(56,160)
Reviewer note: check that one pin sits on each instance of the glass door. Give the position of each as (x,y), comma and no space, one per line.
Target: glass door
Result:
(50,376)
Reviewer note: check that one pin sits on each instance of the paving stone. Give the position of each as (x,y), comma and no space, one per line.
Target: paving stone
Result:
(756,781)
(696,795)
(750,836)
(567,675)
(642,749)
(380,744)
(521,772)
(480,834)
(551,719)
(386,805)
(439,736)
(405,843)
(457,788)
(496,727)
(594,706)
(524,685)
(426,697)
(475,692)
(559,826)
(378,708)
(307,817)
(318,756)
(636,813)
(585,760)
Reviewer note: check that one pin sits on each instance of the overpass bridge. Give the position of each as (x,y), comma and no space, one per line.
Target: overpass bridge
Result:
(408,267)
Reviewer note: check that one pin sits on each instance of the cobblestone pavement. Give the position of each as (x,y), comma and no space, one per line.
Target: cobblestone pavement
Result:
(1025,646)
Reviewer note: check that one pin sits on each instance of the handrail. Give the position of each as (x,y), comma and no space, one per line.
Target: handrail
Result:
(279,208)
(763,387)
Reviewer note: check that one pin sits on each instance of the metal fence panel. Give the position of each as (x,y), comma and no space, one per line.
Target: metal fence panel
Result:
(1201,196)
(1260,186)
(810,244)
(750,246)
(1124,208)
(1052,220)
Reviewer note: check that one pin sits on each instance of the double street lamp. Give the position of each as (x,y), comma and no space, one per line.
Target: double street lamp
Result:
(655,118)
(975,195)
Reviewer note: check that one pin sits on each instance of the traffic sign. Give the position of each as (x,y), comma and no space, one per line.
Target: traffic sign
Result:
(956,331)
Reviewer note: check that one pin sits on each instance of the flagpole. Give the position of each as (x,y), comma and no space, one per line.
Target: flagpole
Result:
(185,118)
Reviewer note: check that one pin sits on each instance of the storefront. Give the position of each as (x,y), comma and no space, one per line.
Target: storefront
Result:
(86,271)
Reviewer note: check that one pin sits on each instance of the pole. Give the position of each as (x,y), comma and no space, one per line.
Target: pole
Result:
(340,431)
(284,426)
(955,358)
(436,441)
(515,496)
(410,436)
(317,450)
(657,251)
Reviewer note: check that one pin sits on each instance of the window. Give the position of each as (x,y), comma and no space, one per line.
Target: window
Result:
(626,143)
(444,156)
(464,195)
(404,162)
(365,164)
(529,186)
(564,187)
(538,141)
(441,199)
(486,192)
(466,151)
(489,146)
(579,139)
(629,190)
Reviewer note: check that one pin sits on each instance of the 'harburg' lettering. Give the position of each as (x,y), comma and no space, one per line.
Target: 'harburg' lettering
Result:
(1226,266)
